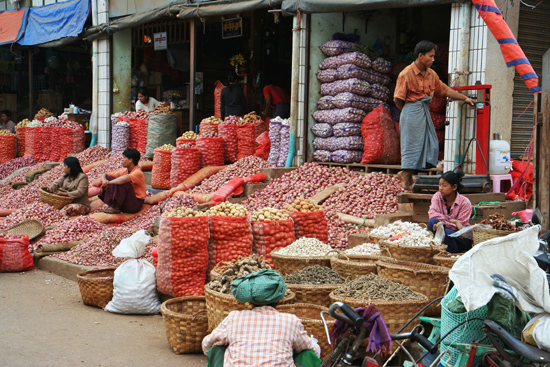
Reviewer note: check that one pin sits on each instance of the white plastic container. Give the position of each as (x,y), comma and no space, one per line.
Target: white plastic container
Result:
(499,156)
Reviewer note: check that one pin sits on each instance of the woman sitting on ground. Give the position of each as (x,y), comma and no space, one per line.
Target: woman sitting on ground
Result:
(451,210)
(74,184)
(124,190)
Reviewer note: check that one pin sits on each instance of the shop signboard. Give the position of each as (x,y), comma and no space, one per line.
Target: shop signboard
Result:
(160,41)
(232,28)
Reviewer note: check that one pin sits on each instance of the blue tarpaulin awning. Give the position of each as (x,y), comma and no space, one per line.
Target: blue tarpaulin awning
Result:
(52,22)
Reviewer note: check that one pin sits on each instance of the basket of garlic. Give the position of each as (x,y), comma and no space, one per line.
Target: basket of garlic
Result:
(418,246)
(358,261)
(302,253)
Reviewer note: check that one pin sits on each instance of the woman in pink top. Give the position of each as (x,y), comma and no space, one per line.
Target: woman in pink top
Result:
(451,210)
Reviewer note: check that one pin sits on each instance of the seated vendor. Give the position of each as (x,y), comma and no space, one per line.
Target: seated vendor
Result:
(451,210)
(263,336)
(74,184)
(124,190)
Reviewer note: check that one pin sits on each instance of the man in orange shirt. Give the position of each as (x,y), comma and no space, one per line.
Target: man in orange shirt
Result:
(124,190)
(416,85)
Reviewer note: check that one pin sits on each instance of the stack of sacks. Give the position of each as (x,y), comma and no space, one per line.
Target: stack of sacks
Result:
(352,86)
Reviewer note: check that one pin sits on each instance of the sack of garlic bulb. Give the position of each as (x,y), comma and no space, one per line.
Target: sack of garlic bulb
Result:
(418,246)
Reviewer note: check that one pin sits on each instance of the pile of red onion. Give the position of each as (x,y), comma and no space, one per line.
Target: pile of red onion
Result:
(364,197)
(178,202)
(13,165)
(71,230)
(144,220)
(97,250)
(45,213)
(244,167)
(303,182)
(92,154)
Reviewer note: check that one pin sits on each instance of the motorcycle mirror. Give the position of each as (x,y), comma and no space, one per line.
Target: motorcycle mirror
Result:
(537,217)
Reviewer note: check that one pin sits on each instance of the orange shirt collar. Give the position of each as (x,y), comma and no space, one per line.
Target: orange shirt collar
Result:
(416,70)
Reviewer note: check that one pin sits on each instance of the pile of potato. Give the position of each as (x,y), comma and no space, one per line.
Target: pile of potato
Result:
(163,107)
(212,120)
(182,212)
(23,123)
(302,205)
(167,147)
(189,135)
(226,209)
(269,214)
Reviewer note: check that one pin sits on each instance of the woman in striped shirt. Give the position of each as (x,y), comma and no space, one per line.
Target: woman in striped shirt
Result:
(451,210)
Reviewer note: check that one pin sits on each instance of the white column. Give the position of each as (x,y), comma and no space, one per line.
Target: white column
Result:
(102,79)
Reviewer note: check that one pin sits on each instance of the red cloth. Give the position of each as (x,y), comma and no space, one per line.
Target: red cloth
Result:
(277,94)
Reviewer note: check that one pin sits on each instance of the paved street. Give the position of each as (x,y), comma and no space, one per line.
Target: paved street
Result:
(44,323)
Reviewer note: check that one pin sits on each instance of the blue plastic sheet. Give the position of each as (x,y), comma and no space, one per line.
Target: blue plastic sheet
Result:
(52,22)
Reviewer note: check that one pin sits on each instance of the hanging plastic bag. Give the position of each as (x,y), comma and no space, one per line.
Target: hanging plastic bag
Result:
(264,145)
(134,281)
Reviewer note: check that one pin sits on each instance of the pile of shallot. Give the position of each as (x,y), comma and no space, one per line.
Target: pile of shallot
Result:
(303,182)
(45,213)
(71,230)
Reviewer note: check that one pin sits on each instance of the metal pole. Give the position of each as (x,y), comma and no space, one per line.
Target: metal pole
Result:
(192,66)
(31,92)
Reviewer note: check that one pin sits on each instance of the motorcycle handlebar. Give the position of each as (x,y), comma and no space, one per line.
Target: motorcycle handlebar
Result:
(351,317)
(416,337)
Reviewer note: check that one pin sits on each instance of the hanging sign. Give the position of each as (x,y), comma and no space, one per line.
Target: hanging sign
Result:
(160,41)
(232,28)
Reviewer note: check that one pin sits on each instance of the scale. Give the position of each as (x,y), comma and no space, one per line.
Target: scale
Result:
(481,181)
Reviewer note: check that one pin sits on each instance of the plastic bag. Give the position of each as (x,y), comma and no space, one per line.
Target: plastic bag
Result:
(134,281)
(217,99)
(162,166)
(212,151)
(325,103)
(355,58)
(381,65)
(180,141)
(38,143)
(346,156)
(271,235)
(263,146)
(14,253)
(338,143)
(228,132)
(66,137)
(438,120)
(182,256)
(208,128)
(55,137)
(79,138)
(335,116)
(284,145)
(348,99)
(8,148)
(327,75)
(381,143)
(247,140)
(29,141)
(322,129)
(347,129)
(336,47)
(322,155)
(230,237)
(20,133)
(162,129)
(47,139)
(275,139)
(120,138)
(185,163)
(353,85)
(311,225)
(138,135)
(227,190)
(348,71)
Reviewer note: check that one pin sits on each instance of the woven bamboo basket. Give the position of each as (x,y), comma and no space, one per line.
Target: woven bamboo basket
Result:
(316,294)
(54,200)
(430,280)
(446,259)
(31,227)
(482,234)
(310,315)
(379,239)
(219,305)
(354,266)
(186,323)
(420,254)
(395,313)
(289,264)
(96,286)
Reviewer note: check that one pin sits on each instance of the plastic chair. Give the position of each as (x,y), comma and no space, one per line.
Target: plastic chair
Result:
(498,179)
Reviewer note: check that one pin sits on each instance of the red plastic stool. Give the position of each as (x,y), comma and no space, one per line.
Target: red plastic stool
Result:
(498,179)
